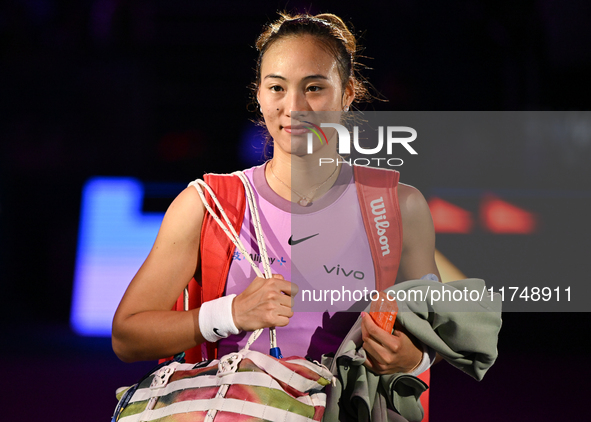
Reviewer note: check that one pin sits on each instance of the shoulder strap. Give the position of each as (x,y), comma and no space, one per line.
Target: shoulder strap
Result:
(215,251)
(378,198)
(216,258)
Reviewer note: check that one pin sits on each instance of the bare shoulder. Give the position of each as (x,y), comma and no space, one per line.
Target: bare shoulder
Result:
(413,205)
(184,215)
(187,204)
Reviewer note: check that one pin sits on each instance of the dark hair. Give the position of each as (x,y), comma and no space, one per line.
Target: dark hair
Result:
(327,28)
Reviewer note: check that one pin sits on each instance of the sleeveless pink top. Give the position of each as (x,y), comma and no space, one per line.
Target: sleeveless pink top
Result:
(323,248)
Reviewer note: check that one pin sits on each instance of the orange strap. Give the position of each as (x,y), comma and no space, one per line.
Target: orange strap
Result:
(378,198)
(379,187)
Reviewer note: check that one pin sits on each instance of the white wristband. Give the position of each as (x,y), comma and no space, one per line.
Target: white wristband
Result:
(215,319)
(428,359)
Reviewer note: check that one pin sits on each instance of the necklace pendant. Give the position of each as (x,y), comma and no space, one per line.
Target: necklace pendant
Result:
(304,202)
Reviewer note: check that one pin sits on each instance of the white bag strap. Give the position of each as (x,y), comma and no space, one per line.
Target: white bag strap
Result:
(235,238)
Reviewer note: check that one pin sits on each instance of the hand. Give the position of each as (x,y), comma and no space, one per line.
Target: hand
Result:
(389,353)
(264,303)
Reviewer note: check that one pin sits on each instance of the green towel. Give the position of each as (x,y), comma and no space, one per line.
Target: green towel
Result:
(464,333)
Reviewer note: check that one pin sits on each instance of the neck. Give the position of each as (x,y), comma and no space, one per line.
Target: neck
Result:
(301,179)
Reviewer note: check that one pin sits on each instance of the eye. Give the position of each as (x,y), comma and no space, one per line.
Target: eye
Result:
(276,88)
(314,88)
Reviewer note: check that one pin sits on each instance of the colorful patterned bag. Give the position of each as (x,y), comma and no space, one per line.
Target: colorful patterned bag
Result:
(243,386)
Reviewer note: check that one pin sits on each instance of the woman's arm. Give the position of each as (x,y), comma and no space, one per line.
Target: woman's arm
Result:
(144,327)
(418,236)
(400,351)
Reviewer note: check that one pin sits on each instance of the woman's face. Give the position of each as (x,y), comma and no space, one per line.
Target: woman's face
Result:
(298,76)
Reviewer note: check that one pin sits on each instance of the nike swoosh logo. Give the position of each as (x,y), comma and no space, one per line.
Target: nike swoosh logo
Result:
(295,242)
(215,330)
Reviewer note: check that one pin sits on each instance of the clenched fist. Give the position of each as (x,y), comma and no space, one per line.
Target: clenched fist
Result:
(264,303)
(389,353)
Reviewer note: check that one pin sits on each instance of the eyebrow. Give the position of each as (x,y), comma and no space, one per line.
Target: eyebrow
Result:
(305,78)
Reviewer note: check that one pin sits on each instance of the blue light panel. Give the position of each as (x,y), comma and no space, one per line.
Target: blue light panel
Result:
(114,239)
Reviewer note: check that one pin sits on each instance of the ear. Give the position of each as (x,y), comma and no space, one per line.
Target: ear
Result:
(349,94)
(259,95)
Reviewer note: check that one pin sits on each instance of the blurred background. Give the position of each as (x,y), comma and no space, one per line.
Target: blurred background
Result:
(157,91)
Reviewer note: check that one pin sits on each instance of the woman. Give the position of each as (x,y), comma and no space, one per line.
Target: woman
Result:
(306,64)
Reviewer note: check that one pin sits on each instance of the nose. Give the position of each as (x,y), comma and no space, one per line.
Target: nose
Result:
(297,104)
